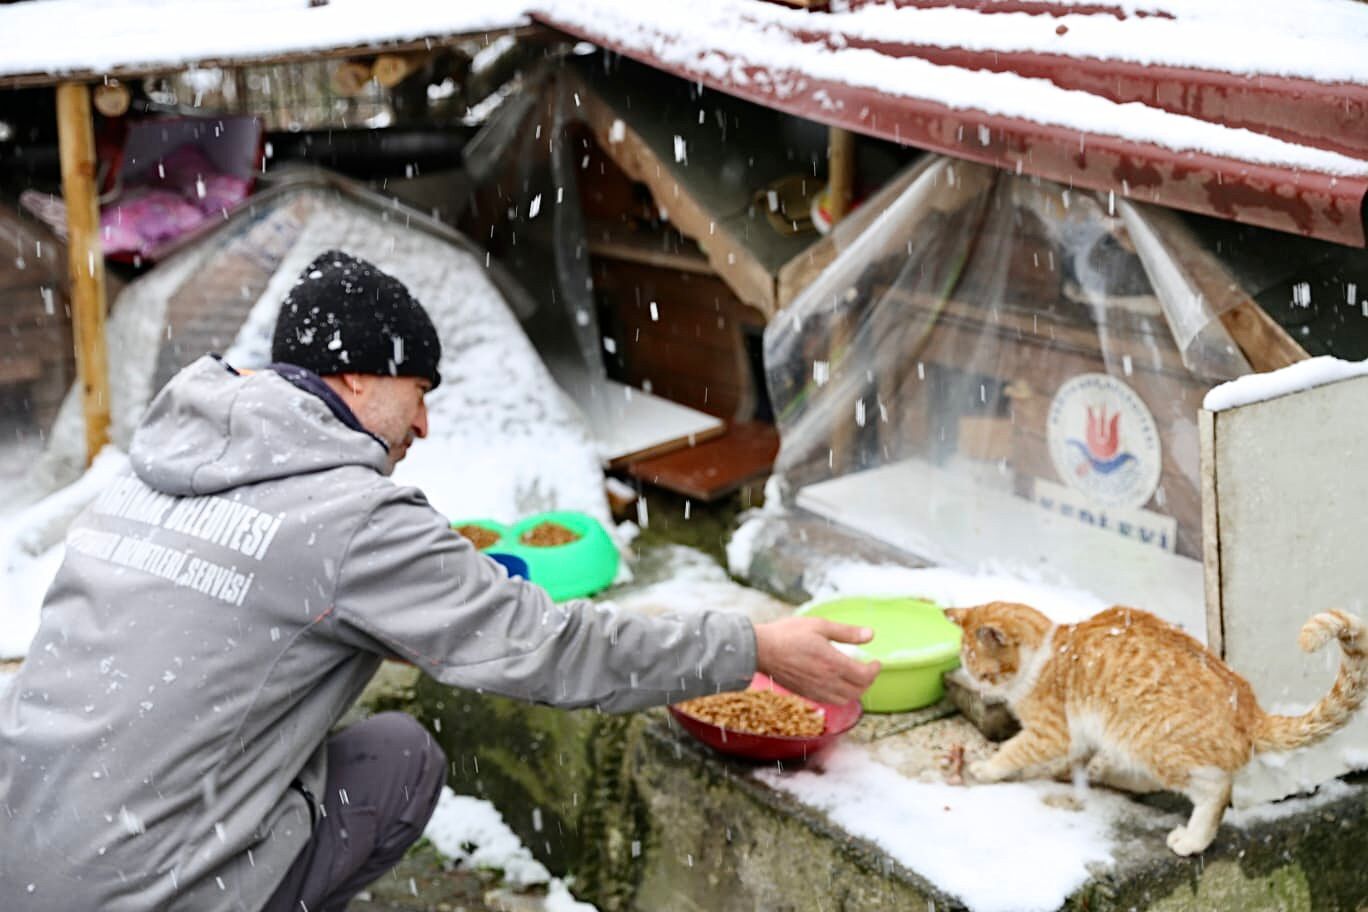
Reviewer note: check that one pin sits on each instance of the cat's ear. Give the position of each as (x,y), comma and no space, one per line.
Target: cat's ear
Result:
(956,615)
(991,637)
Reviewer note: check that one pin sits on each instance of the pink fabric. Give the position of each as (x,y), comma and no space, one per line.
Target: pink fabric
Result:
(158,206)
(173,200)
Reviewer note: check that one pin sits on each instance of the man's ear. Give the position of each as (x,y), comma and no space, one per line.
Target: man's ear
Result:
(991,637)
(355,383)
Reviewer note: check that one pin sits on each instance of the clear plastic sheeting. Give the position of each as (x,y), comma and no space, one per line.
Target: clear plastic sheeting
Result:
(548,252)
(1002,372)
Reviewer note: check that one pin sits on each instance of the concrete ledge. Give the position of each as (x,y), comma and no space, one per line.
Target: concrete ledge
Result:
(719,840)
(647,819)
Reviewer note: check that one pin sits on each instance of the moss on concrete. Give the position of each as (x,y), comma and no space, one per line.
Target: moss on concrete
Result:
(556,776)
(1309,859)
(717,839)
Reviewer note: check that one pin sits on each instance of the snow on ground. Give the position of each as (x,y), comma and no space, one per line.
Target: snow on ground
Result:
(1303,375)
(998,848)
(470,831)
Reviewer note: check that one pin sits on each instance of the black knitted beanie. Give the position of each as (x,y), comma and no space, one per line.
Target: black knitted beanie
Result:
(344,315)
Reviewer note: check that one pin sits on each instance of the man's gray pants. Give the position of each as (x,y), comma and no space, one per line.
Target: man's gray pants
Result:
(384,777)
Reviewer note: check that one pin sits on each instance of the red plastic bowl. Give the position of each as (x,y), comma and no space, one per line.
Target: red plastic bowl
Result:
(839,720)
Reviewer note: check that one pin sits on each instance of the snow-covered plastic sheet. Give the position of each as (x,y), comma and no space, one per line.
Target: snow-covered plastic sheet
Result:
(1000,371)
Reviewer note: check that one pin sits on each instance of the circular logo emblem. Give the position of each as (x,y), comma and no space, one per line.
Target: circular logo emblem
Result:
(1103,441)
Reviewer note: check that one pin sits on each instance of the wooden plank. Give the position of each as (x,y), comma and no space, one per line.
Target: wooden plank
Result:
(727,255)
(695,171)
(15,370)
(643,425)
(1266,345)
(612,242)
(717,467)
(85,259)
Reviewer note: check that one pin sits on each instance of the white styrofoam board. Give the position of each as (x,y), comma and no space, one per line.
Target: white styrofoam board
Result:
(633,421)
(938,516)
(1291,482)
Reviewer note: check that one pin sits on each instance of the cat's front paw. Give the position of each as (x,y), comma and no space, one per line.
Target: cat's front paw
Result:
(1184,842)
(984,771)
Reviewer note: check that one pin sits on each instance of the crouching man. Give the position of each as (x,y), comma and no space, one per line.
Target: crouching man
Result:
(166,743)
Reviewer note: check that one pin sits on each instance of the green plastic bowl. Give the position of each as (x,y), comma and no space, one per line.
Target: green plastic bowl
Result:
(913,639)
(572,570)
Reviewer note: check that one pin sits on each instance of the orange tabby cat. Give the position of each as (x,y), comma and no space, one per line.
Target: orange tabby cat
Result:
(1152,706)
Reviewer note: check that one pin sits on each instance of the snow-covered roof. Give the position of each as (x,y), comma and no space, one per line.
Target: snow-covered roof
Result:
(1255,110)
(43,40)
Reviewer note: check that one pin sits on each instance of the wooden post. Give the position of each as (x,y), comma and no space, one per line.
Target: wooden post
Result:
(85,259)
(840,172)
(840,190)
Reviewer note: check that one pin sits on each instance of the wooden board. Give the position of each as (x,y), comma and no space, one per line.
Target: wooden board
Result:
(640,425)
(1289,482)
(697,173)
(716,467)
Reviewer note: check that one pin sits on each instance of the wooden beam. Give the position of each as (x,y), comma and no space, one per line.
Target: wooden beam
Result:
(391,69)
(85,259)
(350,77)
(614,243)
(112,98)
(728,255)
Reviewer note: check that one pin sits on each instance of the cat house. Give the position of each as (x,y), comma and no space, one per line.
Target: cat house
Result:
(1004,373)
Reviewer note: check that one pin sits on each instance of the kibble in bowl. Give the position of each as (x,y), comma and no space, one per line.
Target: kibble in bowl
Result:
(479,536)
(766,722)
(548,535)
(758,712)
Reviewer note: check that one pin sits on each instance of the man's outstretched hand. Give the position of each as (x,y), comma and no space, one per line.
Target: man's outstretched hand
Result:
(797,653)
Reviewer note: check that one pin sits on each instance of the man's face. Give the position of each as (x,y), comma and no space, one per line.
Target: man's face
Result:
(391,408)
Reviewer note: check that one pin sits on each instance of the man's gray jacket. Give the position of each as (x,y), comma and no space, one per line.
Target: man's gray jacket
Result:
(220,607)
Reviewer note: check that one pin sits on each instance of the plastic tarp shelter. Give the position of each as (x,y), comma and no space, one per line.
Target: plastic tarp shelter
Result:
(1002,374)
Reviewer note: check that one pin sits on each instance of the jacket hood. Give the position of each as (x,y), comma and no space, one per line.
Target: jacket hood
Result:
(211,429)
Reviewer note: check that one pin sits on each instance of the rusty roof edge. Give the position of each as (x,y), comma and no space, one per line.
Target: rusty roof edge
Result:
(1326,115)
(1314,204)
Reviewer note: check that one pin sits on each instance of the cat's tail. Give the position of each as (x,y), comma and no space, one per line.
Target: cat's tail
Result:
(1278,733)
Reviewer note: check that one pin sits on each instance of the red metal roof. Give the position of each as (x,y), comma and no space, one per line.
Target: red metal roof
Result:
(1307,112)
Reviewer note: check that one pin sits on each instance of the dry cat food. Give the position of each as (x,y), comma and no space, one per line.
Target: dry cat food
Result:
(758,712)
(548,535)
(479,536)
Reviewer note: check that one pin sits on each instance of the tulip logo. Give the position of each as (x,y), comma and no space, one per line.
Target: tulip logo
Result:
(1103,441)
